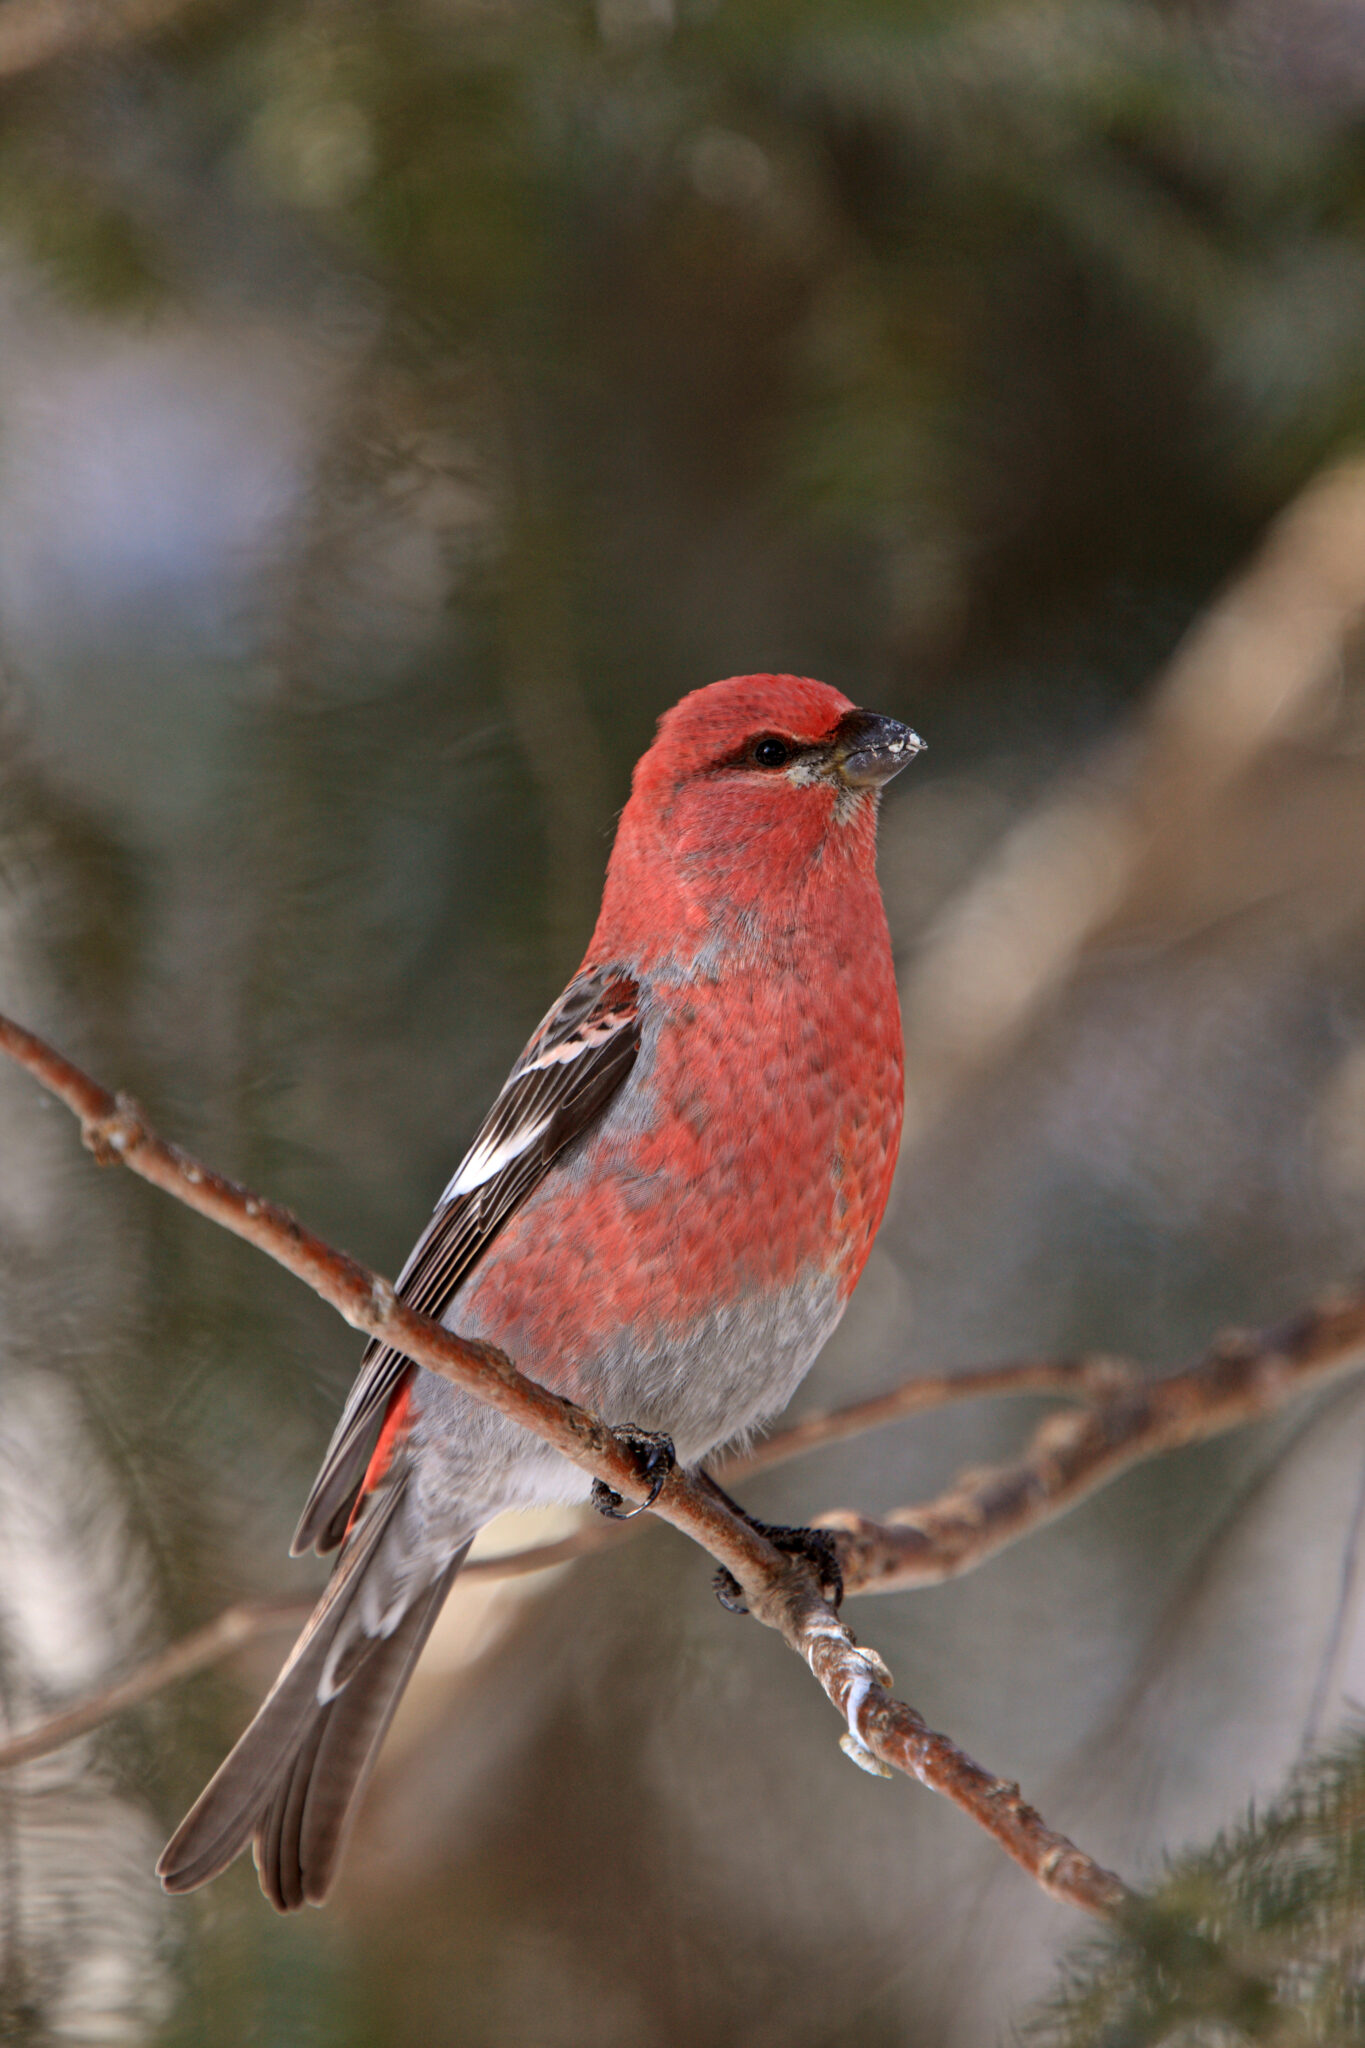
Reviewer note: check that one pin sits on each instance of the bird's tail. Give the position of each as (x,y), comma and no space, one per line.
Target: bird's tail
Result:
(291,1785)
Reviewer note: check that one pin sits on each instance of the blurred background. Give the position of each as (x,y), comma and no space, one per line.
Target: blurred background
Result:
(400,406)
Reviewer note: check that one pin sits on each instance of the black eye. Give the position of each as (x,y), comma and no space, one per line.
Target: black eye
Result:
(772,753)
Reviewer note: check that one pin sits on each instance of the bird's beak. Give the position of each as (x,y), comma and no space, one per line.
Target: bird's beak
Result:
(869,749)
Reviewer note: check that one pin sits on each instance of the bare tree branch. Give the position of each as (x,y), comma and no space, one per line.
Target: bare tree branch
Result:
(1125,1421)
(1241,1379)
(113,1128)
(778,1590)
(230,1631)
(1090,1377)
(885,1735)
(242,1624)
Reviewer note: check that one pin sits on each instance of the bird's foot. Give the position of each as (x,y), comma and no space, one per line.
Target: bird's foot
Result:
(656,1459)
(818,1547)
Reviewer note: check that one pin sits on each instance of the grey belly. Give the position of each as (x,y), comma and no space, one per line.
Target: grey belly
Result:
(729,1372)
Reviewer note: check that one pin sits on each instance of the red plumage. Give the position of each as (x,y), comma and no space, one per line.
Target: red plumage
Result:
(664,1215)
(397,1418)
(777,1088)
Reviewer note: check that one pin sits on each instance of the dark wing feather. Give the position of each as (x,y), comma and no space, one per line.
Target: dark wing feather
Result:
(567,1075)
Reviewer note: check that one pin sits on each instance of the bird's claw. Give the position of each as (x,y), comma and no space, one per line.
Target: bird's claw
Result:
(729,1592)
(817,1546)
(656,1458)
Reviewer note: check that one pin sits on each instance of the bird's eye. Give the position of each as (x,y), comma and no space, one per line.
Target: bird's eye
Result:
(772,753)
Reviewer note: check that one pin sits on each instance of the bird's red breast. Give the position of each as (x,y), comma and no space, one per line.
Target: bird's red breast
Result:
(756,1139)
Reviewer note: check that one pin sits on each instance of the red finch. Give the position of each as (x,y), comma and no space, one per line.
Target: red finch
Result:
(663,1216)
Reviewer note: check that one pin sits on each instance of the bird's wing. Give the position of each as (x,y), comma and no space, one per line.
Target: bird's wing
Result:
(574,1064)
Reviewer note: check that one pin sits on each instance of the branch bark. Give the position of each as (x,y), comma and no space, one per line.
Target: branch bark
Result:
(1090,1377)
(229,1631)
(1240,1379)
(1124,1421)
(881,1732)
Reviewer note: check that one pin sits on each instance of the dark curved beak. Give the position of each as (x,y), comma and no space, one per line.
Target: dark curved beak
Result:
(869,749)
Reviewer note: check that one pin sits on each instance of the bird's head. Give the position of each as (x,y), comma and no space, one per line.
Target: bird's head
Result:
(756,743)
(749,785)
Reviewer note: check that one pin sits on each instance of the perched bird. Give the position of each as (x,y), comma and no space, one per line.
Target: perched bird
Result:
(663,1216)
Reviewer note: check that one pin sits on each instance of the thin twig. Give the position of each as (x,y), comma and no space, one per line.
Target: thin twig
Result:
(1092,1376)
(885,1735)
(597,1534)
(777,1589)
(243,1623)
(115,1130)
(1241,1379)
(1238,1381)
(232,1629)
(1070,1455)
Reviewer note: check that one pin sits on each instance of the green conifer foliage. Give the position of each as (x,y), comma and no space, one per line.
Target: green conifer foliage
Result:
(1258,1938)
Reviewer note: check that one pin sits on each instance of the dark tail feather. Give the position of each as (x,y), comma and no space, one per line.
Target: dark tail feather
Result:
(299,1842)
(292,1779)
